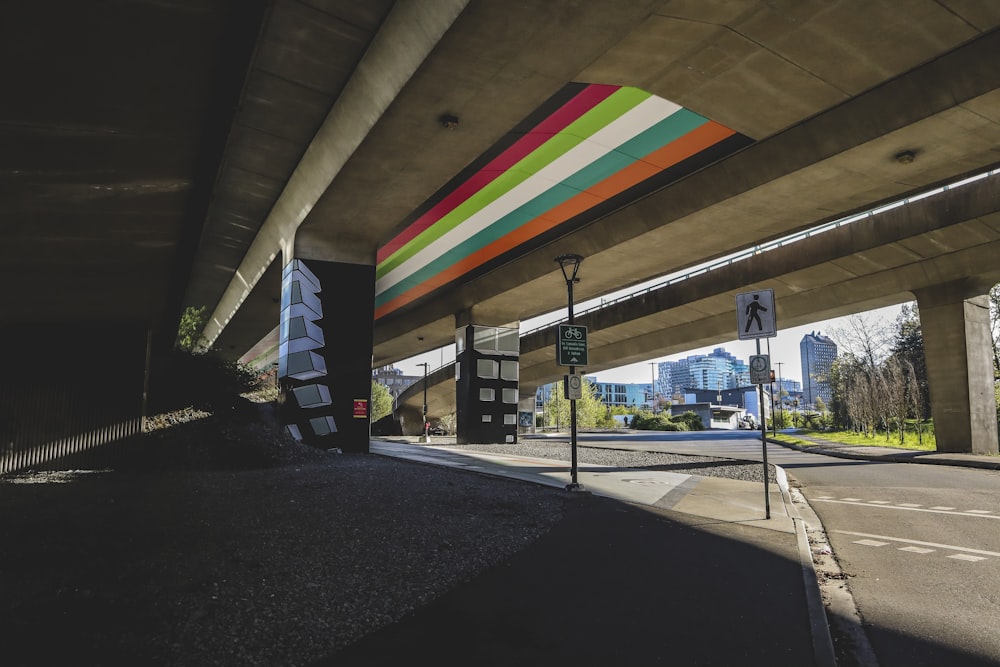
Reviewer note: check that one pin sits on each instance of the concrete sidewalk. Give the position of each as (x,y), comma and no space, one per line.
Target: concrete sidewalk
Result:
(647,568)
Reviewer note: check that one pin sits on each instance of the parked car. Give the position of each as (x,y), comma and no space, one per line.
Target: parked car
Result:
(437,430)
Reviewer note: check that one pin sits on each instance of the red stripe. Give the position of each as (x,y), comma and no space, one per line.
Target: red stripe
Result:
(673,153)
(581,103)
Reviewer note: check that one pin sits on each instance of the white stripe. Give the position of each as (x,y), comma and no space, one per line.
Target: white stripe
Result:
(845,501)
(638,119)
(923,544)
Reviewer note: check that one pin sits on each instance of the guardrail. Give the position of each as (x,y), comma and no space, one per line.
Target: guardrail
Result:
(772,245)
(760,249)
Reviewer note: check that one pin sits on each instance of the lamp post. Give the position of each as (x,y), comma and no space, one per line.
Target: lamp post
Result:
(570,265)
(427,435)
(652,385)
(781,402)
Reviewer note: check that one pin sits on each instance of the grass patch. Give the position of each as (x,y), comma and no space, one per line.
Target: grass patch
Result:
(808,437)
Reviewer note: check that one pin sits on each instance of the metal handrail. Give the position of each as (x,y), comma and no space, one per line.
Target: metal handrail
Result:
(773,245)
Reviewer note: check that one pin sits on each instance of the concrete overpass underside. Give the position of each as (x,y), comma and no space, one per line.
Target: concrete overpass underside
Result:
(163,155)
(888,258)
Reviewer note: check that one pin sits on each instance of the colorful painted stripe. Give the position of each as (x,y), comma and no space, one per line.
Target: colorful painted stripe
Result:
(526,170)
(602,142)
(582,102)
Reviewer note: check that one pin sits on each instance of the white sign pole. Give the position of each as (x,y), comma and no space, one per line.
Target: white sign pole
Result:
(755,318)
(763,444)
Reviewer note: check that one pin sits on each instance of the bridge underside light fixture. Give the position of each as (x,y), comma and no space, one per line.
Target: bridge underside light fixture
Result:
(448,121)
(569,264)
(905,157)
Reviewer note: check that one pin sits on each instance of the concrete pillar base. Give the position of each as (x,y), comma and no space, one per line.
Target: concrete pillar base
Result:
(955,320)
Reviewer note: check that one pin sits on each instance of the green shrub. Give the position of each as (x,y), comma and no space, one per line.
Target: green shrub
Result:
(180,379)
(691,421)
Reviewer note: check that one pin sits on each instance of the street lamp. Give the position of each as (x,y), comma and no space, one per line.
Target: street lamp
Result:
(652,385)
(570,265)
(781,401)
(427,434)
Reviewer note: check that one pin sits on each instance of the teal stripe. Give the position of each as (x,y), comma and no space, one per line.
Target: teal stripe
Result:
(523,214)
(655,137)
(671,128)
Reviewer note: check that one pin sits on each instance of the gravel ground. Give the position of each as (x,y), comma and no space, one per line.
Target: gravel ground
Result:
(705,466)
(228,544)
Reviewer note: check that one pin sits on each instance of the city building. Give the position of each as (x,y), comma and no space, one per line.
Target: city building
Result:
(818,353)
(717,370)
(615,394)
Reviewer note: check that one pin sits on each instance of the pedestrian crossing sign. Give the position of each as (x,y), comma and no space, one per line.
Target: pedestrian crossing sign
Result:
(755,315)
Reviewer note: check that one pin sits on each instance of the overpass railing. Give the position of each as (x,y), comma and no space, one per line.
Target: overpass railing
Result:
(772,245)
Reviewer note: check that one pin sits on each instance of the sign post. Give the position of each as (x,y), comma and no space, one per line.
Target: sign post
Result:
(755,319)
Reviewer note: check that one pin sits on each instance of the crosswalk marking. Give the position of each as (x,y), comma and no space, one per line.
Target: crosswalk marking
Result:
(909,507)
(878,538)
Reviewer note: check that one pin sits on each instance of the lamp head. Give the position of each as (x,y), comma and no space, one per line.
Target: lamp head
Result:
(569,264)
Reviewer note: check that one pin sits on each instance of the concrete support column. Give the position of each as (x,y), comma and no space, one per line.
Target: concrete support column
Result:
(486,382)
(325,353)
(955,319)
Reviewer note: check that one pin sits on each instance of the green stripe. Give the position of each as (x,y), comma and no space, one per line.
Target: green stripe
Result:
(613,107)
(648,141)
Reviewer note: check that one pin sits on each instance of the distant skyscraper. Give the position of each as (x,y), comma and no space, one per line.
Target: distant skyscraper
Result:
(818,353)
(715,371)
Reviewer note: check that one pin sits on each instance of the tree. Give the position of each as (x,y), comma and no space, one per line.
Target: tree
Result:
(916,398)
(908,347)
(867,338)
(895,385)
(448,422)
(189,330)
(995,327)
(381,404)
(820,404)
(590,411)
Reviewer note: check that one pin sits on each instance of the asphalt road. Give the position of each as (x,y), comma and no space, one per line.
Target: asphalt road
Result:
(920,543)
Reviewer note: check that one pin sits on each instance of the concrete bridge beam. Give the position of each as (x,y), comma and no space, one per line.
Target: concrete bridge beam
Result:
(955,319)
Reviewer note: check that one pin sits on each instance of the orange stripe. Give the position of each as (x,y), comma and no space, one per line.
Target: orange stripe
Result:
(682,148)
(693,142)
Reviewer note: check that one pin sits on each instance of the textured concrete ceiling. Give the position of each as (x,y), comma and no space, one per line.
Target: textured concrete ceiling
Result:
(147,143)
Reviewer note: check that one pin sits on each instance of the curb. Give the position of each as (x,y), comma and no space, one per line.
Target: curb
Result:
(819,626)
(888,458)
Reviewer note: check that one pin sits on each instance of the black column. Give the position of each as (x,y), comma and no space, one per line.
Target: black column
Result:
(324,364)
(486,388)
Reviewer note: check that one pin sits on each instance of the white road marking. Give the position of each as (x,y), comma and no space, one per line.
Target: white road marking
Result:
(943,507)
(880,502)
(850,500)
(910,505)
(967,557)
(981,514)
(979,511)
(871,543)
(917,550)
(923,544)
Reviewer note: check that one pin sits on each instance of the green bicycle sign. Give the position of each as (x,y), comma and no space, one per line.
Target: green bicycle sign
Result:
(571,348)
